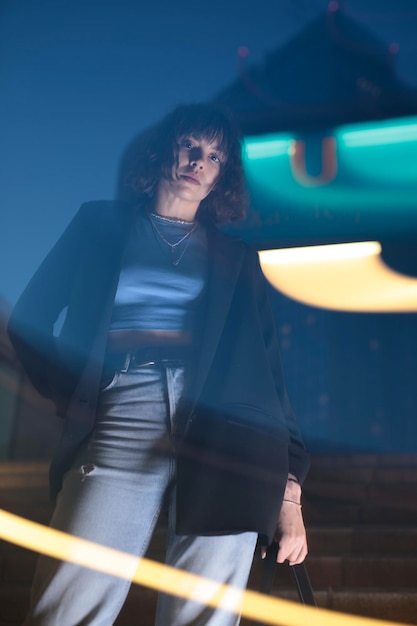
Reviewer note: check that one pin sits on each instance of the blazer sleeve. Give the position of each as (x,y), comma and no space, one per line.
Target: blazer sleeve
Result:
(31,325)
(299,459)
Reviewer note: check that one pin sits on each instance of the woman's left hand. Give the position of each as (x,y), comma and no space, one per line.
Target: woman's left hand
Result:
(290,532)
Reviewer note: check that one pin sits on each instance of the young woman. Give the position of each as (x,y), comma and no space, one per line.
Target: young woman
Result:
(165,316)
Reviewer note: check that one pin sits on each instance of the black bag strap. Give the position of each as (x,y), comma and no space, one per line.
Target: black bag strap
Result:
(304,588)
(302,580)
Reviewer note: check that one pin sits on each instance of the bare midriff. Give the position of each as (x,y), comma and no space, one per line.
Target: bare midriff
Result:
(125,340)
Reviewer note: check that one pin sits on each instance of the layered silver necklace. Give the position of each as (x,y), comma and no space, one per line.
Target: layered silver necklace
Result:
(174,251)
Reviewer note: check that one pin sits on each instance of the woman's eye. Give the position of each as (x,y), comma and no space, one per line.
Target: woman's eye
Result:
(215,158)
(187,144)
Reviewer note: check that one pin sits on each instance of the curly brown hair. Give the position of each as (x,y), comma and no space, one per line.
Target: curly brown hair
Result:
(228,201)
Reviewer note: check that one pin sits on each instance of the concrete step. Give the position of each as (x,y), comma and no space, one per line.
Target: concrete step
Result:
(346,571)
(326,512)
(356,491)
(384,557)
(348,468)
(352,461)
(14,602)
(139,609)
(17,565)
(396,606)
(361,540)
(400,606)
(384,573)
(361,525)
(389,494)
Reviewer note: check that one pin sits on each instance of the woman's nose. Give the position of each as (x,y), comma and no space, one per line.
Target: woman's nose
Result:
(196,158)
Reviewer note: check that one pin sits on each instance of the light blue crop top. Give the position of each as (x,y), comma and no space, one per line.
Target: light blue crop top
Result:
(153,293)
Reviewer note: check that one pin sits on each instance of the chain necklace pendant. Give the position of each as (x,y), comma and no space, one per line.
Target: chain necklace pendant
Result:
(185,239)
(176,262)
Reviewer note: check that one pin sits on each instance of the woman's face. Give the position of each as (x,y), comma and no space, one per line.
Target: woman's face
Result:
(196,169)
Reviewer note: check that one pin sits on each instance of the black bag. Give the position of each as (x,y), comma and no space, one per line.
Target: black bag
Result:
(232,468)
(301,578)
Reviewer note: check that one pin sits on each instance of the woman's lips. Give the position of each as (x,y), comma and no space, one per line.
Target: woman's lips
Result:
(191,179)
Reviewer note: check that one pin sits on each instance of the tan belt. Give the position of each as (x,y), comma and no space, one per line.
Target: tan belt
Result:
(132,349)
(124,340)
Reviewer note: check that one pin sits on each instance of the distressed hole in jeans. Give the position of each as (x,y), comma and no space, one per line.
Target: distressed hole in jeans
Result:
(86,470)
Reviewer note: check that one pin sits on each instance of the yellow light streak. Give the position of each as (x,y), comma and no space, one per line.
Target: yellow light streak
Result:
(341,277)
(322,253)
(161,577)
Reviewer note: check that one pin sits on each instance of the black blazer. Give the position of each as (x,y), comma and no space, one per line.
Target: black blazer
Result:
(237,360)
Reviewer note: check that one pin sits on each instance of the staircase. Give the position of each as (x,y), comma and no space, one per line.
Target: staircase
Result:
(360,511)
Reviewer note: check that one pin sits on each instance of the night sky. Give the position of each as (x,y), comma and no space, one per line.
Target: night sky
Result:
(80,78)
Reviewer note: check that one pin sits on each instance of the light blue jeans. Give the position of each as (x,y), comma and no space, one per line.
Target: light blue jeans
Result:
(113,495)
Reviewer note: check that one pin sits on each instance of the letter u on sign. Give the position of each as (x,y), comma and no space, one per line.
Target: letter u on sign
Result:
(328,163)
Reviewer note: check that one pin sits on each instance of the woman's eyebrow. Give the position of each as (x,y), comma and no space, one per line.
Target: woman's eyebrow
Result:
(219,150)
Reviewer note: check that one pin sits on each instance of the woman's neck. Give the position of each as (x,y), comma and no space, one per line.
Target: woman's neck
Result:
(169,205)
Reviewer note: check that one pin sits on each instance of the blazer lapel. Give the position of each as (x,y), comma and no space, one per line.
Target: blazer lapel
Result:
(225,261)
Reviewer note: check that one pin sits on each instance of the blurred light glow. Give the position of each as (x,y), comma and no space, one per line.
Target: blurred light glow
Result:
(341,277)
(267,146)
(329,163)
(353,178)
(170,580)
(321,253)
(382,134)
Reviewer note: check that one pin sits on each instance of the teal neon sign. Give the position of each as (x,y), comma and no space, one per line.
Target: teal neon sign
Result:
(352,182)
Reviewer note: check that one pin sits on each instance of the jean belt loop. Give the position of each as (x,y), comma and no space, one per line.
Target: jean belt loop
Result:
(126,363)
